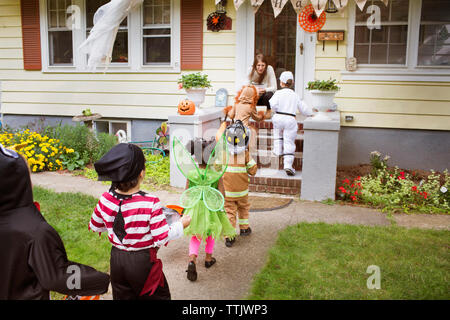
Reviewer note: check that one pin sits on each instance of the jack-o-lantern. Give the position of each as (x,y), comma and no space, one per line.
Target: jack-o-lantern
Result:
(186,107)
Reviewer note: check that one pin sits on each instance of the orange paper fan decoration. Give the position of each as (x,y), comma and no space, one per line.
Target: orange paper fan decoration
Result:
(308,20)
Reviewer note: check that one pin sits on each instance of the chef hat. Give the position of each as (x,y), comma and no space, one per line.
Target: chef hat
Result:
(285,76)
(123,163)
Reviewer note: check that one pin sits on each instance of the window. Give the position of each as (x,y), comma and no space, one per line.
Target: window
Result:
(148,39)
(113,126)
(410,40)
(156,31)
(434,34)
(59,35)
(387,43)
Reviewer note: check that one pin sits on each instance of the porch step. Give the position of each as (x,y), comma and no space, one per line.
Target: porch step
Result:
(265,141)
(275,181)
(265,159)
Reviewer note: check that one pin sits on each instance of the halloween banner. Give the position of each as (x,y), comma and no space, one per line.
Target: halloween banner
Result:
(298,5)
(278,6)
(256,4)
(237,3)
(319,6)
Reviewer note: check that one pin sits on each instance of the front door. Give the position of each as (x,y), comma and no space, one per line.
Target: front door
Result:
(285,45)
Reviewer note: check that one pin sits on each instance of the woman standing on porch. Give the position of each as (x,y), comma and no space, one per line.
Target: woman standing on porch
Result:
(262,76)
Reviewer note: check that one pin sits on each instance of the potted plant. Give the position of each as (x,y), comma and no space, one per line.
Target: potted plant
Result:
(195,85)
(322,94)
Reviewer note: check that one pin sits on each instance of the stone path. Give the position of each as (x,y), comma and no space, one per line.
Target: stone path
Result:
(231,277)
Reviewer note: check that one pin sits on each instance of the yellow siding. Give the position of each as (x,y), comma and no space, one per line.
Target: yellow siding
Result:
(122,95)
(383,104)
(388,104)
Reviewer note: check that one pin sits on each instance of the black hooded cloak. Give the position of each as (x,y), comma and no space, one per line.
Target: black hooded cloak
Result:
(33,260)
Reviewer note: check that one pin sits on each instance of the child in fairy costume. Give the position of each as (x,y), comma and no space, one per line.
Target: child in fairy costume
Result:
(202,200)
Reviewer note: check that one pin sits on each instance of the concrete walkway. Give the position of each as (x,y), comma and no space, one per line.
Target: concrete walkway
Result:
(231,277)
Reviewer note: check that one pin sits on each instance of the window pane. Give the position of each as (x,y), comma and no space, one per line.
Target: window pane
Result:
(434,35)
(60,47)
(152,32)
(362,53)
(120,49)
(157,50)
(156,12)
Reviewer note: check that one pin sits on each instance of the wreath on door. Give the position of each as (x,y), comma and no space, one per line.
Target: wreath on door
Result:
(216,21)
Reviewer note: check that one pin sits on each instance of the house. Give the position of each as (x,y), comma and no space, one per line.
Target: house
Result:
(397,101)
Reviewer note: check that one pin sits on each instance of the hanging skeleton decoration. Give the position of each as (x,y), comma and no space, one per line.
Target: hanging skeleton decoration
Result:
(107,19)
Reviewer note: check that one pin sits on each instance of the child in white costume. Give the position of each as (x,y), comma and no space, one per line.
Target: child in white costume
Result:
(285,103)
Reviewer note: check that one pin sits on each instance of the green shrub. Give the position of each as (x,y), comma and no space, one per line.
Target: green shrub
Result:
(89,147)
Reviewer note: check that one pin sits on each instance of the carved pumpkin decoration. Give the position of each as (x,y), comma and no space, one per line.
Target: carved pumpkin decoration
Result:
(186,107)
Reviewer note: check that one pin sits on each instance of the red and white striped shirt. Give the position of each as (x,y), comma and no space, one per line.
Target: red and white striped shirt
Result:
(145,222)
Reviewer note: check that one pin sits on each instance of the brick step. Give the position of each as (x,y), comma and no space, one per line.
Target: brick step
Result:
(265,159)
(265,124)
(265,141)
(275,181)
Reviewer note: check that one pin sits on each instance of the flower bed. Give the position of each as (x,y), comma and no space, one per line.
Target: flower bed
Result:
(48,150)
(42,153)
(392,189)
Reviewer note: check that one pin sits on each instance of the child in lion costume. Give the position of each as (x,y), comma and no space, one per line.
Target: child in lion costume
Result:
(244,108)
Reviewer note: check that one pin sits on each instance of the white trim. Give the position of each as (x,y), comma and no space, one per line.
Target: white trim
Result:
(384,72)
(135,46)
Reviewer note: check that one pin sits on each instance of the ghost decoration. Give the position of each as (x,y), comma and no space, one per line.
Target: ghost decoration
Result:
(107,19)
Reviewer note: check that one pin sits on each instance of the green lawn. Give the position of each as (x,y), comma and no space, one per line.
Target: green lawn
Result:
(69,214)
(320,261)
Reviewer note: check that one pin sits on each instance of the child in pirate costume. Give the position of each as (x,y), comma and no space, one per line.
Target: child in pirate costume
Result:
(203,199)
(243,109)
(285,103)
(235,179)
(32,254)
(135,224)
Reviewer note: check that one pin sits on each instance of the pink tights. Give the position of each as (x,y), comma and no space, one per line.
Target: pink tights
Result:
(194,245)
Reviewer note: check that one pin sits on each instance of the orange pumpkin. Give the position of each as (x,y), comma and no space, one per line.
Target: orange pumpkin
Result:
(186,107)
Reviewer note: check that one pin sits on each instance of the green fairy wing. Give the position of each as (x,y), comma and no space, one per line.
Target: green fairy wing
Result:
(213,199)
(185,162)
(190,197)
(217,163)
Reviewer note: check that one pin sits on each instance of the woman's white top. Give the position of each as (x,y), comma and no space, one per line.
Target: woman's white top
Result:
(287,101)
(270,80)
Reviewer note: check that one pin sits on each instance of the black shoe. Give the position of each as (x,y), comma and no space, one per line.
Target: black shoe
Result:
(191,271)
(246,232)
(229,242)
(289,172)
(209,264)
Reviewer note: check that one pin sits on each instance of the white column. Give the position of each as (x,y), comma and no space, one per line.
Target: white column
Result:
(320,149)
(203,124)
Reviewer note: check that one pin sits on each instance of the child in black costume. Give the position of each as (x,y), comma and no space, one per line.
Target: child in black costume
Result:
(32,254)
